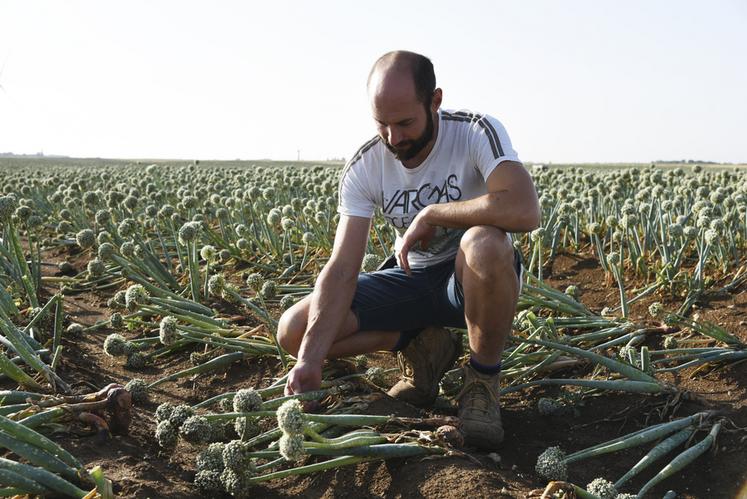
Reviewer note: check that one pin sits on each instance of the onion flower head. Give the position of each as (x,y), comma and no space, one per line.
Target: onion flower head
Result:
(290,417)
(551,464)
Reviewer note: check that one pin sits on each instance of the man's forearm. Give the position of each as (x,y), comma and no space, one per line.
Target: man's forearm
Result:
(499,209)
(329,307)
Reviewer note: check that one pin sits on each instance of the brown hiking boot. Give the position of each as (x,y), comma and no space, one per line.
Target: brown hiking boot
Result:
(423,363)
(479,409)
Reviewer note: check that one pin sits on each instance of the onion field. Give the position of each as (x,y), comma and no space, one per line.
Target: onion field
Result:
(139,304)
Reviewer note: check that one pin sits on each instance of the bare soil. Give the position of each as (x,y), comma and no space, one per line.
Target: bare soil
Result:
(139,469)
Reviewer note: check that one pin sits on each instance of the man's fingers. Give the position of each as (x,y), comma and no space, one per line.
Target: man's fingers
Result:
(402,257)
(291,387)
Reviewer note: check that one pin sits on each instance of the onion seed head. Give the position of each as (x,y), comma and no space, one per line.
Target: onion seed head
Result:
(103,217)
(166,434)
(255,281)
(291,447)
(138,390)
(116,321)
(602,488)
(74,328)
(287,223)
(188,232)
(135,360)
(290,417)
(656,310)
(196,430)
(126,227)
(114,345)
(235,456)
(216,283)
(247,400)
(675,230)
(208,253)
(166,211)
(23,213)
(551,464)
(106,250)
(268,290)
(537,234)
(127,249)
(164,411)
(180,414)
(7,207)
(96,268)
(103,237)
(613,258)
(134,296)
(167,333)
(209,481)
(274,217)
(85,238)
(711,236)
(242,244)
(236,483)
(550,407)
(211,458)
(224,255)
(287,302)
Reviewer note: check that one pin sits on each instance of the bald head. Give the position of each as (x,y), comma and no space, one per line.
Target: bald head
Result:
(402,72)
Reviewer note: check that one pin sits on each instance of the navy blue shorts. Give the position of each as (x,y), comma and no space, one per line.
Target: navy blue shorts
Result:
(390,300)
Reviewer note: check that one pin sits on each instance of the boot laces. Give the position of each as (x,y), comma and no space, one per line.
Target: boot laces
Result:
(480,396)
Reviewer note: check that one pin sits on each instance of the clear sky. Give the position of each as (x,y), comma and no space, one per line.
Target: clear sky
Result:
(572,81)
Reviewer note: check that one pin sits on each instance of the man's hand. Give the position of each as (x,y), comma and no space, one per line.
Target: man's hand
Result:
(419,230)
(304,377)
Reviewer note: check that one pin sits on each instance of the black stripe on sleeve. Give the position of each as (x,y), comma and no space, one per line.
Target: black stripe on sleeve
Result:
(356,157)
(491,129)
(364,148)
(490,133)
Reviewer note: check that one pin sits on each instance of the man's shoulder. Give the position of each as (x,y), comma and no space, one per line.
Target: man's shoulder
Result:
(477,128)
(367,149)
(464,116)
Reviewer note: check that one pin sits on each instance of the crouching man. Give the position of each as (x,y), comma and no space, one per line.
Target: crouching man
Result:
(453,187)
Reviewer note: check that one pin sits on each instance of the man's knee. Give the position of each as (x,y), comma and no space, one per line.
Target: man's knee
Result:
(487,246)
(291,328)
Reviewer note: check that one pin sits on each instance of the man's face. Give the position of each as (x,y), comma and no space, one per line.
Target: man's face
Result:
(405,124)
(408,148)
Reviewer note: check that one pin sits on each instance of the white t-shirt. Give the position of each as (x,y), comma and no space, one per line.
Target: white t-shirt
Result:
(467,149)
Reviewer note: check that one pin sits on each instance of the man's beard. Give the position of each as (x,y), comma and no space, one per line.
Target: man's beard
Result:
(408,149)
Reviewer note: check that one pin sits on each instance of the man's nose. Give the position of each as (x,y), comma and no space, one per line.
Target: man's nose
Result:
(395,136)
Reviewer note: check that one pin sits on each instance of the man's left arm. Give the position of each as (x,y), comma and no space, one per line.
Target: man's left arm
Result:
(511,204)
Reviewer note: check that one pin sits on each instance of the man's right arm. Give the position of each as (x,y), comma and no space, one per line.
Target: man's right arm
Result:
(330,302)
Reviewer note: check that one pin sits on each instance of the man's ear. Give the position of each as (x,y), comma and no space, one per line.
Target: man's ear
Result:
(437,98)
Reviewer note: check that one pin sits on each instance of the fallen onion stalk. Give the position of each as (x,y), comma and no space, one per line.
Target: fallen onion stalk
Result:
(683,459)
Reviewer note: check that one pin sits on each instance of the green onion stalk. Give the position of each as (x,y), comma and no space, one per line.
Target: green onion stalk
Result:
(683,459)
(659,450)
(30,357)
(614,261)
(51,468)
(553,463)
(7,208)
(218,286)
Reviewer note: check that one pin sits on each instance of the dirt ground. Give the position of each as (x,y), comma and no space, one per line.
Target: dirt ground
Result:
(139,469)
